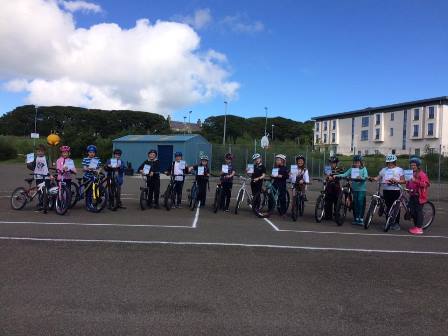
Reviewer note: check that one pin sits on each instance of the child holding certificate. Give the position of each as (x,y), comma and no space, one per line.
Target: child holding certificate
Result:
(90,165)
(280,173)
(227,174)
(65,166)
(116,164)
(150,168)
(202,173)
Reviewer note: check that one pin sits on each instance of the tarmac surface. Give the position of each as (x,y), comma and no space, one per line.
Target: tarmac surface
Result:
(155,272)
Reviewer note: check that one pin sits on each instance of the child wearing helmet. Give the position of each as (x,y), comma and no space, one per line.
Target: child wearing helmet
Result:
(152,179)
(118,167)
(333,187)
(202,173)
(90,164)
(358,187)
(65,166)
(39,166)
(390,176)
(256,178)
(226,181)
(419,185)
(178,170)
(280,178)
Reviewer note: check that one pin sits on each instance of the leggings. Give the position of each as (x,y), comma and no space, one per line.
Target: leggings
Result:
(178,186)
(153,184)
(359,204)
(202,191)
(416,210)
(282,197)
(226,195)
(389,198)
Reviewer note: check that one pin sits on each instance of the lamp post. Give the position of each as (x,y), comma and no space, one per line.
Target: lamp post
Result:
(189,121)
(185,124)
(266,120)
(35,124)
(272,131)
(225,124)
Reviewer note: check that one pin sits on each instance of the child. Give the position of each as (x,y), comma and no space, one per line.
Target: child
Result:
(178,170)
(359,189)
(302,178)
(89,169)
(280,174)
(119,173)
(227,182)
(256,179)
(40,168)
(419,195)
(202,180)
(65,166)
(152,179)
(333,187)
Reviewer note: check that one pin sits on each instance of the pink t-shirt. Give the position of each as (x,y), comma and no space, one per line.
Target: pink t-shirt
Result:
(60,163)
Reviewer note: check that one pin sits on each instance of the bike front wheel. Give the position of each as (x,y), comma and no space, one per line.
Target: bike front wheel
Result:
(62,202)
(319,209)
(19,198)
(429,212)
(295,207)
(99,199)
(217,201)
(392,216)
(370,213)
(341,209)
(74,194)
(239,199)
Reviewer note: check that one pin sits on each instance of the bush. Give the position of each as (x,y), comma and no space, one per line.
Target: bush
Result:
(7,150)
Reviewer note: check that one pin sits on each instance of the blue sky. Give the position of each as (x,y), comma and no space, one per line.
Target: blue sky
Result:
(306,58)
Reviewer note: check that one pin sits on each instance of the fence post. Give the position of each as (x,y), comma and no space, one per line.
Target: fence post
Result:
(439,174)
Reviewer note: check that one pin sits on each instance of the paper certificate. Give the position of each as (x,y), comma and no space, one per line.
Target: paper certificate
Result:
(294,170)
(408,174)
(69,164)
(355,173)
(93,163)
(146,169)
(327,170)
(182,165)
(250,168)
(114,163)
(225,169)
(275,172)
(389,175)
(29,157)
(293,178)
(201,170)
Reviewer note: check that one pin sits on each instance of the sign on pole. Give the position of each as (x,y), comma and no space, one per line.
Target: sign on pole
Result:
(264,142)
(34,135)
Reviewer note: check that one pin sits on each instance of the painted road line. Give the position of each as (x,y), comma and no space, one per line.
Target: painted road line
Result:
(285,247)
(196,217)
(362,234)
(96,224)
(271,224)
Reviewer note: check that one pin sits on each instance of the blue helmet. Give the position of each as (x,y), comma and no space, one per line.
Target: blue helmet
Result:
(177,154)
(416,160)
(91,148)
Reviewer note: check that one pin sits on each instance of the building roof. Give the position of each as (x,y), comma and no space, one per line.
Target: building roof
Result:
(385,108)
(180,126)
(158,138)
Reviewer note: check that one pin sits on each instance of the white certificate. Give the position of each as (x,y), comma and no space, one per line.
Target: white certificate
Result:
(225,169)
(182,165)
(114,163)
(69,164)
(250,168)
(146,169)
(355,173)
(294,170)
(93,163)
(408,174)
(29,157)
(293,178)
(275,172)
(327,170)
(201,170)
(388,175)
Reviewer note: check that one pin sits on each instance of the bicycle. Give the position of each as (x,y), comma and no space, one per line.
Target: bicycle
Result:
(217,203)
(112,189)
(169,197)
(21,196)
(428,210)
(60,194)
(377,204)
(266,201)
(298,200)
(242,193)
(319,209)
(344,202)
(99,197)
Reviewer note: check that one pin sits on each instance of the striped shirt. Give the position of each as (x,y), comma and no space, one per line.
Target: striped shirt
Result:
(86,163)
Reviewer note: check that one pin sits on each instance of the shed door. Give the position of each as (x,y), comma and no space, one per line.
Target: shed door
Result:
(165,156)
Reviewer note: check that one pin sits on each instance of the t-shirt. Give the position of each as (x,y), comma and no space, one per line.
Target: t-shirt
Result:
(177,171)
(258,171)
(86,163)
(201,177)
(155,167)
(230,171)
(387,173)
(41,167)
(284,172)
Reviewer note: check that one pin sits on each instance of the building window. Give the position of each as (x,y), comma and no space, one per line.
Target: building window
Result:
(391,132)
(364,135)
(317,139)
(365,121)
(334,125)
(325,125)
(377,119)
(333,137)
(377,133)
(416,114)
(392,116)
(430,129)
(317,127)
(417,151)
(431,112)
(325,138)
(366,152)
(415,133)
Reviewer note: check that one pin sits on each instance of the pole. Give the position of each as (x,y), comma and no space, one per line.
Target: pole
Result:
(185,124)
(35,124)
(439,172)
(189,122)
(272,131)
(225,124)
(255,146)
(266,120)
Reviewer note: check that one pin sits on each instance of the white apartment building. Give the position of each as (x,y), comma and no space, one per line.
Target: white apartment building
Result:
(415,127)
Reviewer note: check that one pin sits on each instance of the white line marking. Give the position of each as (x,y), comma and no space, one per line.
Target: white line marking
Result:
(97,224)
(196,217)
(363,234)
(155,242)
(271,224)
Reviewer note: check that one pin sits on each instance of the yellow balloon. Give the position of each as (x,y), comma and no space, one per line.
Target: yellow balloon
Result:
(53,139)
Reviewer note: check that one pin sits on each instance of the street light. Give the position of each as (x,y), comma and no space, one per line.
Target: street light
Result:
(266,120)
(35,124)
(272,132)
(185,124)
(189,121)
(225,124)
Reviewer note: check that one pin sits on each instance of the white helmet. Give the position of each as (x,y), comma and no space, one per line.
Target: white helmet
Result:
(281,156)
(256,156)
(391,158)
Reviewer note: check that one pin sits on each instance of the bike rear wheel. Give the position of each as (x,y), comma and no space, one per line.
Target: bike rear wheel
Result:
(113,197)
(143,198)
(319,209)
(19,198)
(429,212)
(217,201)
(74,194)
(295,207)
(193,197)
(62,202)
(239,199)
(370,213)
(301,205)
(288,202)
(168,198)
(392,216)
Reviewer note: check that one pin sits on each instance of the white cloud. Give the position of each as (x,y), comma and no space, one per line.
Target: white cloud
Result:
(155,67)
(241,24)
(80,5)
(200,19)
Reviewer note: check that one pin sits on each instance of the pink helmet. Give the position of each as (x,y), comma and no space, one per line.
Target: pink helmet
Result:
(65,149)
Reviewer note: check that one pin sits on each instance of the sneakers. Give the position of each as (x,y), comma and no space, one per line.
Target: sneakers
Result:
(395,227)
(358,221)
(416,230)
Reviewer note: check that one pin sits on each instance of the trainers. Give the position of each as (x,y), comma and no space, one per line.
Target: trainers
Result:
(226,210)
(355,221)
(416,230)
(395,227)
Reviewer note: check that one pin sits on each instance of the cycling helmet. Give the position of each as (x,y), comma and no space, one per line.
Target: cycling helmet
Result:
(416,160)
(177,154)
(281,156)
(229,156)
(256,156)
(300,157)
(203,158)
(152,151)
(118,151)
(333,159)
(357,158)
(91,148)
(65,149)
(391,158)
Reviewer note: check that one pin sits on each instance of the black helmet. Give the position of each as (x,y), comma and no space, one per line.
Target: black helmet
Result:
(152,151)
(300,157)
(229,156)
(118,151)
(333,159)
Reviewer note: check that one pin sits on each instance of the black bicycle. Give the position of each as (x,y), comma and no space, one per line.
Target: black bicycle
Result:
(319,209)
(169,196)
(344,203)
(298,201)
(217,203)
(113,192)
